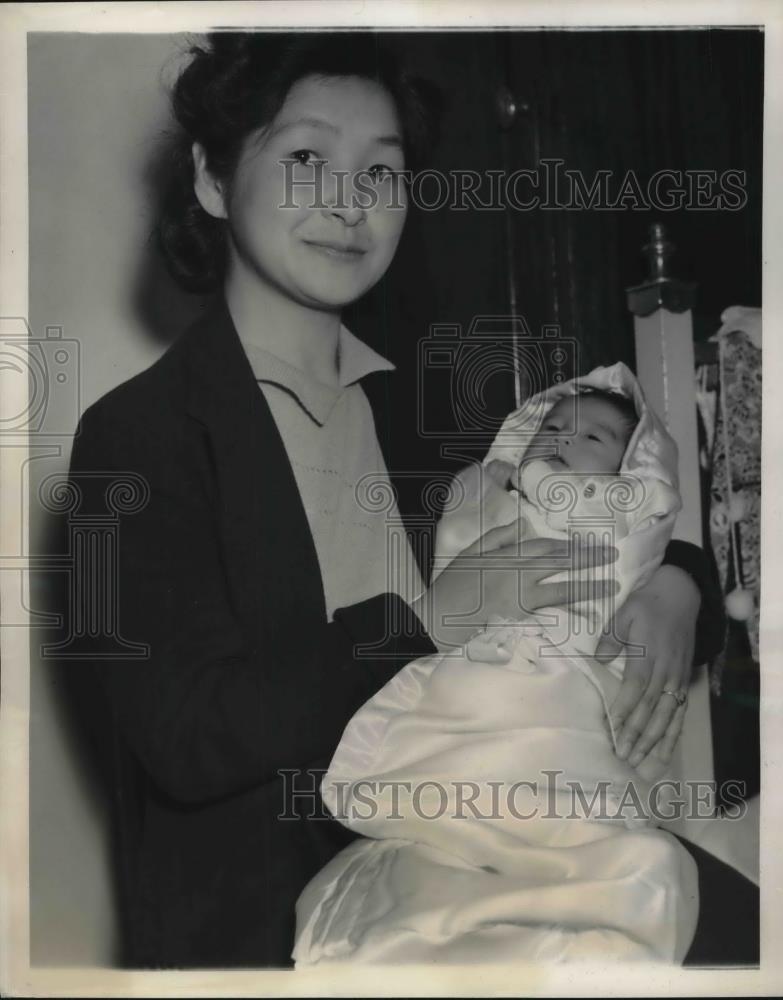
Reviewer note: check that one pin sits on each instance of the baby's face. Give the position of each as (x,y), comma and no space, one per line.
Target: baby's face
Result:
(582,434)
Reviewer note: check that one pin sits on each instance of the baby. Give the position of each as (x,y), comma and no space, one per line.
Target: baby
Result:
(485,776)
(560,483)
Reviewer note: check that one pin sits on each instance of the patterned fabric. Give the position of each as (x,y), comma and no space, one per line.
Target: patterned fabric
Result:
(742,496)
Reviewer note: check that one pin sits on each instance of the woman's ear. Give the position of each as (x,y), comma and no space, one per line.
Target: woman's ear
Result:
(209,190)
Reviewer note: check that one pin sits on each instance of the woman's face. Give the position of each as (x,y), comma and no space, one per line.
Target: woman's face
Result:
(328,255)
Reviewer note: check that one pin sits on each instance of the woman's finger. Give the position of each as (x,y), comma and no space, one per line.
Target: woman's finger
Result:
(550,555)
(656,727)
(541,558)
(629,711)
(555,595)
(669,675)
(583,555)
(609,647)
(672,734)
(637,722)
(514,558)
(508,541)
(614,634)
(507,535)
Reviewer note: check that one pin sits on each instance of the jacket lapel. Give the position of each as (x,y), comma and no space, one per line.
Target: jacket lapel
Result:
(271,561)
(377,387)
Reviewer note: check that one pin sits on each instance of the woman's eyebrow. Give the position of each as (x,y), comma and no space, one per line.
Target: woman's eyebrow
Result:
(309,121)
(312,122)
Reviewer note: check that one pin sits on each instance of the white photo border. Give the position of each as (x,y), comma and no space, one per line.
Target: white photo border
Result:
(17,977)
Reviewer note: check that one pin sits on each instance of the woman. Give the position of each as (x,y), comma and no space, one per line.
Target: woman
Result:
(251,573)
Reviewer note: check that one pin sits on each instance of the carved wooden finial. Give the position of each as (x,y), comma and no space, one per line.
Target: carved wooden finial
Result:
(659,289)
(659,252)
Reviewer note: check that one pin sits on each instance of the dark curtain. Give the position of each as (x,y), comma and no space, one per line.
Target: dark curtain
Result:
(643,102)
(617,101)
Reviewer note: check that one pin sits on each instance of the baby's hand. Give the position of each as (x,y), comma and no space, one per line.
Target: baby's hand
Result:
(501,473)
(482,648)
(493,644)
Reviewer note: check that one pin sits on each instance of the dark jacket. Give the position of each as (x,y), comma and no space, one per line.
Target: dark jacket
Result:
(218,575)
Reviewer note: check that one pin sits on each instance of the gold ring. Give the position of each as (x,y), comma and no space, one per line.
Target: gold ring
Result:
(678,696)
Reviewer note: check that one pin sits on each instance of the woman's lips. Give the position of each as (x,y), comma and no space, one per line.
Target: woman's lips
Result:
(337,251)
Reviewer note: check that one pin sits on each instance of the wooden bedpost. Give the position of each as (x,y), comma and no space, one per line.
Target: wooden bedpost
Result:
(665,366)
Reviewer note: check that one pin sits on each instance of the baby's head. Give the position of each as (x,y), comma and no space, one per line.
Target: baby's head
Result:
(588,432)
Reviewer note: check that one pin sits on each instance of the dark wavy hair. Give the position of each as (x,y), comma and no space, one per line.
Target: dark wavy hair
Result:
(234,85)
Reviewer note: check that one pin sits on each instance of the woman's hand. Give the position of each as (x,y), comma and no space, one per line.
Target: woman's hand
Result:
(660,620)
(502,575)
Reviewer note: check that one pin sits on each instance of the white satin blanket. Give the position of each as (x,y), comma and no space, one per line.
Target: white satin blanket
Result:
(500,824)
